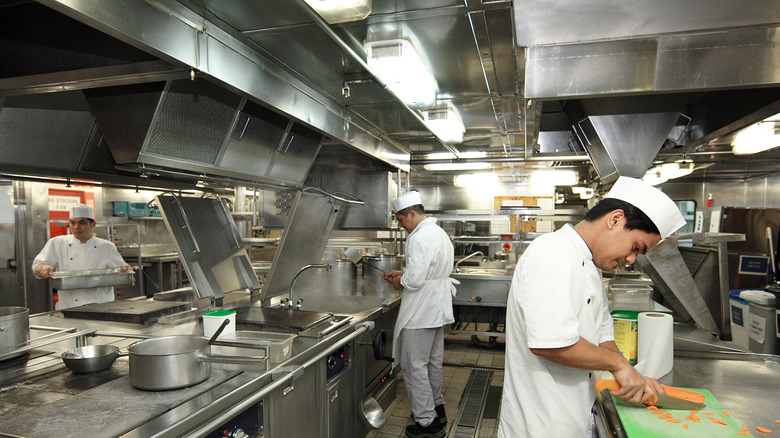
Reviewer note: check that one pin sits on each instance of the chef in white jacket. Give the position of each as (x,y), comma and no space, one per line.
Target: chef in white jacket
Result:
(426,306)
(559,331)
(79,251)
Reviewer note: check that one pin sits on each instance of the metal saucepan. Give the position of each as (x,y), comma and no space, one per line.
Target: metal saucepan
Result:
(14,331)
(91,358)
(172,362)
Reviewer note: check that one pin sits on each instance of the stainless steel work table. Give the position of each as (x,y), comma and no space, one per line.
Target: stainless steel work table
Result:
(195,416)
(745,383)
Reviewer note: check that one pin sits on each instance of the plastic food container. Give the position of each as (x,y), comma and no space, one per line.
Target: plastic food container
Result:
(631,297)
(213,319)
(280,344)
(740,311)
(761,325)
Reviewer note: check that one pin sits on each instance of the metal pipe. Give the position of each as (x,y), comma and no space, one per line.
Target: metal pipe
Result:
(457,269)
(317,266)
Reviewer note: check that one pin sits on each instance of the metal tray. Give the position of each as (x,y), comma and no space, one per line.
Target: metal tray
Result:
(64,280)
(279,344)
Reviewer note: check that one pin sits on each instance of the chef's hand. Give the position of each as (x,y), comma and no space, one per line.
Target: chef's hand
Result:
(634,387)
(126,268)
(394,278)
(44,271)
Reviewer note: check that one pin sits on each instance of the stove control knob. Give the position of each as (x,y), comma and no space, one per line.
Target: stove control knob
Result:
(331,362)
(236,432)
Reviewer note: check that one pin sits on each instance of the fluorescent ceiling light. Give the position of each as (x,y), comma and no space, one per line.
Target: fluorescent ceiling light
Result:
(666,171)
(758,137)
(653,176)
(553,178)
(457,166)
(340,11)
(400,67)
(584,192)
(445,123)
(483,181)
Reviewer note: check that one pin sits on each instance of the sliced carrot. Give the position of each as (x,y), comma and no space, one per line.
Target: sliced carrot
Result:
(685,426)
(693,418)
(708,413)
(763,430)
(655,399)
(744,434)
(777,421)
(652,408)
(725,414)
(717,420)
(744,429)
(602,384)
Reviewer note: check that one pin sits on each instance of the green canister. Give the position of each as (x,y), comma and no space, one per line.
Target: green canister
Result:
(625,324)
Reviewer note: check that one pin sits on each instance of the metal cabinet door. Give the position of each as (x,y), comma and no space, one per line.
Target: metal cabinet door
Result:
(296,413)
(340,405)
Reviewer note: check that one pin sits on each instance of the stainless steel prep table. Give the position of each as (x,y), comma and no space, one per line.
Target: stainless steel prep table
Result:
(193,415)
(745,383)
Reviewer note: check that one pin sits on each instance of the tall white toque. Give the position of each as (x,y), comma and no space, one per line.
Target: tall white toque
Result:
(653,202)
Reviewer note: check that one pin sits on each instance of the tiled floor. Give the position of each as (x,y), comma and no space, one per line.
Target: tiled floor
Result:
(458,350)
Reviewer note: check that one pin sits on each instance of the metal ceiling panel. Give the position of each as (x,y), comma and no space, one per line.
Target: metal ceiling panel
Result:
(559,22)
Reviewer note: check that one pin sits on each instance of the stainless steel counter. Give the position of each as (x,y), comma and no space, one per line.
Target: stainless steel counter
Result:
(745,383)
(192,412)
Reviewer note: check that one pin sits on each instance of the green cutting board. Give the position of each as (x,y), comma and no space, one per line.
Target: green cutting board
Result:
(639,422)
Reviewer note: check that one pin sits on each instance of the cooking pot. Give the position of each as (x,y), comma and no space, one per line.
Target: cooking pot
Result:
(340,279)
(376,265)
(91,358)
(14,331)
(172,362)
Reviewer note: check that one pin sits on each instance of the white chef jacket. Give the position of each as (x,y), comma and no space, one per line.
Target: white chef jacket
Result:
(426,301)
(66,253)
(556,296)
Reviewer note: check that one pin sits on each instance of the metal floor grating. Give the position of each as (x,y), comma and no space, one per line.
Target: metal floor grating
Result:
(472,405)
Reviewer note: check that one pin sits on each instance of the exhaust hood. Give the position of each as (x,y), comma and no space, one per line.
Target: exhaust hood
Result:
(196,126)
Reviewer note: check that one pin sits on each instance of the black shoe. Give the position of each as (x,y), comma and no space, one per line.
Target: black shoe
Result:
(441,414)
(434,430)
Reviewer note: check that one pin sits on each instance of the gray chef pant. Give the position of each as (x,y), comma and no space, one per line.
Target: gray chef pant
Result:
(422,353)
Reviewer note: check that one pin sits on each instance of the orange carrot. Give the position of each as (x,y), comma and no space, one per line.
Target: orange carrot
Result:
(725,414)
(655,399)
(652,408)
(777,421)
(744,434)
(744,429)
(708,413)
(685,426)
(763,430)
(602,384)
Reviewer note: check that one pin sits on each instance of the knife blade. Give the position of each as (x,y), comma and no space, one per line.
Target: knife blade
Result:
(669,402)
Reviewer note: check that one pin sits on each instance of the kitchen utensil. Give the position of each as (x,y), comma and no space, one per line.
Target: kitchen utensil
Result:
(373,413)
(14,331)
(91,358)
(353,255)
(661,400)
(172,362)
(218,331)
(374,284)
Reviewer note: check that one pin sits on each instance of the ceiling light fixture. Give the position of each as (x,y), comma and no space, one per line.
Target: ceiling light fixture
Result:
(450,155)
(483,181)
(400,67)
(477,165)
(664,172)
(758,137)
(445,124)
(341,11)
(546,178)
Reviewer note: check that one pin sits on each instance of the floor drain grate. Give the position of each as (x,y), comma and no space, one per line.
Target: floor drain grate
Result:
(472,405)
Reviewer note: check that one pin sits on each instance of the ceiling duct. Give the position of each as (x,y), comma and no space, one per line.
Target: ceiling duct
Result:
(620,144)
(199,127)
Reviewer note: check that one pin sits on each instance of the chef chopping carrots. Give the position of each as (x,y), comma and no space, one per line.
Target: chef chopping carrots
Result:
(559,330)
(426,306)
(79,251)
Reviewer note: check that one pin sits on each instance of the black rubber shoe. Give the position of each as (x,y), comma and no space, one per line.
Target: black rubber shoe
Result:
(434,430)
(441,414)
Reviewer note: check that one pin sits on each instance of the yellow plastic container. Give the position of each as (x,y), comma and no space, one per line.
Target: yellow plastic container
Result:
(625,324)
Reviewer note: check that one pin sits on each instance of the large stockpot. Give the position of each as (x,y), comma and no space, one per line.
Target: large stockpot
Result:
(373,267)
(172,362)
(14,330)
(340,279)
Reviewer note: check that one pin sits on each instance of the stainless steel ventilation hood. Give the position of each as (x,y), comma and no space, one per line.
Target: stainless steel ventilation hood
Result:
(198,127)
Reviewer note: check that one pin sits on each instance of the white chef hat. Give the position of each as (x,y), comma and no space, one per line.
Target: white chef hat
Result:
(653,202)
(406,200)
(81,210)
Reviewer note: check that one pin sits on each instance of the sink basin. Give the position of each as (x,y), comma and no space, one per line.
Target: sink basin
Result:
(483,271)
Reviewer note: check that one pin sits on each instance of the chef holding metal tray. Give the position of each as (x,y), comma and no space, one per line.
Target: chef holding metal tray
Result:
(84,253)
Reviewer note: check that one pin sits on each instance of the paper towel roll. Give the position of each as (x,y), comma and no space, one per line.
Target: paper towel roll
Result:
(655,344)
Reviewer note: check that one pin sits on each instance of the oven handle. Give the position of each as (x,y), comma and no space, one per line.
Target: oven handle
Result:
(380,345)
